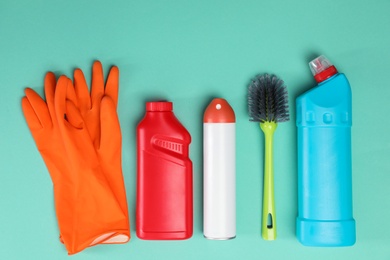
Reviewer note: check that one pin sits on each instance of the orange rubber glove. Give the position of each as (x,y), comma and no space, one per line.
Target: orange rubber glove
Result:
(109,149)
(88,212)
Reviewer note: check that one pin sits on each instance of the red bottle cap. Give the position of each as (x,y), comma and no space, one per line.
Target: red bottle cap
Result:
(219,111)
(159,106)
(322,69)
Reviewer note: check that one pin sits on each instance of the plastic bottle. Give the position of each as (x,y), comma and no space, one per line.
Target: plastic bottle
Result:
(324,120)
(164,209)
(219,171)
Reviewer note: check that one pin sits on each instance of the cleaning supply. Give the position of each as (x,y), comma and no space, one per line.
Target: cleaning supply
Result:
(324,120)
(164,176)
(88,212)
(104,123)
(219,171)
(268,104)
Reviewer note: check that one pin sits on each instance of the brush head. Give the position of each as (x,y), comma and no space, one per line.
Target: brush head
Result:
(268,99)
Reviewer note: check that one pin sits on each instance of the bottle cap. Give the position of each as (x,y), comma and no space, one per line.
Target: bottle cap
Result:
(159,106)
(322,69)
(219,111)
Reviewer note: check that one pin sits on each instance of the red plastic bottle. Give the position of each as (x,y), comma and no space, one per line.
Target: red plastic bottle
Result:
(164,209)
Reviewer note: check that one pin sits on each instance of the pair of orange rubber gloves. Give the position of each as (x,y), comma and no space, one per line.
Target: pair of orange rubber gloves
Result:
(78,135)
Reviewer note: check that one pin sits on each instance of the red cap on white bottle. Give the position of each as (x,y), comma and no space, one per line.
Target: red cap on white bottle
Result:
(219,111)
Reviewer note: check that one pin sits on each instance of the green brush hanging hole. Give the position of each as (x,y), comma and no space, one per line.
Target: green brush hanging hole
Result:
(269,221)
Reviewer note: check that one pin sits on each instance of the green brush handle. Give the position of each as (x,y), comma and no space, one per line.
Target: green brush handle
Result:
(268,225)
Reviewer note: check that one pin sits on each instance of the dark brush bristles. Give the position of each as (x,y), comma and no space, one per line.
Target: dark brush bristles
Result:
(268,99)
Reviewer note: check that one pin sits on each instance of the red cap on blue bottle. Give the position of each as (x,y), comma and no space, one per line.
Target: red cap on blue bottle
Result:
(322,69)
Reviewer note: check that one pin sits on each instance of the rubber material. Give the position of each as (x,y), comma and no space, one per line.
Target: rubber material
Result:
(83,162)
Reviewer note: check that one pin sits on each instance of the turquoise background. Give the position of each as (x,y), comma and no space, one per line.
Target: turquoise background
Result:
(189,52)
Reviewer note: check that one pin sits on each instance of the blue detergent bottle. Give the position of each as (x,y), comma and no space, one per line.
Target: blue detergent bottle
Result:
(324,120)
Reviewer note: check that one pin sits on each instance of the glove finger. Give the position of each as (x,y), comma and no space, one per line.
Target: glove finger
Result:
(50,85)
(112,85)
(97,90)
(73,115)
(29,113)
(62,86)
(71,94)
(39,107)
(110,136)
(81,89)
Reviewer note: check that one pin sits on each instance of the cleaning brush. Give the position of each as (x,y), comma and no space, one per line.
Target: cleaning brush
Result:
(268,104)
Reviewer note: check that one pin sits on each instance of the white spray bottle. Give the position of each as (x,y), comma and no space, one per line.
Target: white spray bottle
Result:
(219,175)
